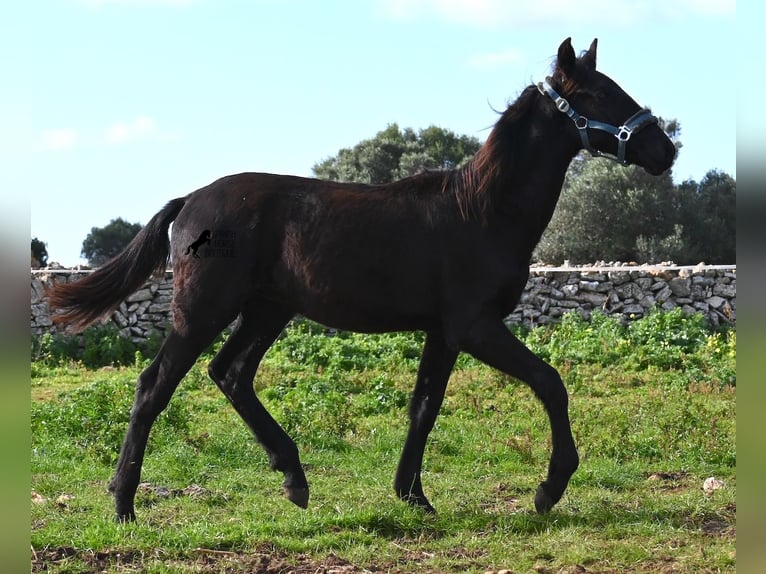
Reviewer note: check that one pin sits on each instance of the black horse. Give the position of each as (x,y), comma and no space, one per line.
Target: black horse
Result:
(443,252)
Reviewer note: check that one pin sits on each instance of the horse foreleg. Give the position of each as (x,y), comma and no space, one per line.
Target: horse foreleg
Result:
(435,367)
(233,370)
(492,343)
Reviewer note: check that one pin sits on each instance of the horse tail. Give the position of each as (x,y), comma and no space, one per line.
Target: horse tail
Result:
(88,299)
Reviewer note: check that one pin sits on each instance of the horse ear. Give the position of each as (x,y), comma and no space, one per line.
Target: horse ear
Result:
(589,58)
(566,57)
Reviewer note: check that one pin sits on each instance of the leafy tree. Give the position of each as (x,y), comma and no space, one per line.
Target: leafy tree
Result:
(394,153)
(603,209)
(607,212)
(103,243)
(39,253)
(707,211)
(672,128)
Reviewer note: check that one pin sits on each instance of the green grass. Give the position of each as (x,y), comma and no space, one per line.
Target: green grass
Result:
(653,413)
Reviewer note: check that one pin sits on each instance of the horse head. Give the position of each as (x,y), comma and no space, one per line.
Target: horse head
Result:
(605,119)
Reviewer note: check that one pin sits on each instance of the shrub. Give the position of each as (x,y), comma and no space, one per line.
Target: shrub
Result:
(661,341)
(601,340)
(313,411)
(96,416)
(97,346)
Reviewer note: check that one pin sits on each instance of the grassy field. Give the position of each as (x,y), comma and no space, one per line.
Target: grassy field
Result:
(652,408)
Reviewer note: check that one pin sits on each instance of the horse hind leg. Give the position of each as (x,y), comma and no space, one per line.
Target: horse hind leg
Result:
(233,370)
(156,385)
(435,367)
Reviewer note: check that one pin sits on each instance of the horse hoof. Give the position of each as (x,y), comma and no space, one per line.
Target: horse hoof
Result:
(427,508)
(543,502)
(125,518)
(298,496)
(418,501)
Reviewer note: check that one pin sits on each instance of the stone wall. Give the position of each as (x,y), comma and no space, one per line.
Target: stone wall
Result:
(143,312)
(627,291)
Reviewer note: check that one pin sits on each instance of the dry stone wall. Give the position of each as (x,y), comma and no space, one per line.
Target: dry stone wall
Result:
(144,312)
(627,291)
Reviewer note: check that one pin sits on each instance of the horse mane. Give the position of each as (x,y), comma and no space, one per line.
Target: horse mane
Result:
(475,184)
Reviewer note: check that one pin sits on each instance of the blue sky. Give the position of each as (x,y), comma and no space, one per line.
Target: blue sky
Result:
(109,108)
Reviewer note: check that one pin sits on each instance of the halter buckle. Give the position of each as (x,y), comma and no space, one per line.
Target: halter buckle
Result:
(545,89)
(623,133)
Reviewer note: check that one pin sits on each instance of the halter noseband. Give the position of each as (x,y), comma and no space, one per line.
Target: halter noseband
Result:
(632,125)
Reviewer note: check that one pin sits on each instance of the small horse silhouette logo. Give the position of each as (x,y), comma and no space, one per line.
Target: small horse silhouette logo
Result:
(203,238)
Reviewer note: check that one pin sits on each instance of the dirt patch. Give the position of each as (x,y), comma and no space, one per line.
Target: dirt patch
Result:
(670,481)
(201,560)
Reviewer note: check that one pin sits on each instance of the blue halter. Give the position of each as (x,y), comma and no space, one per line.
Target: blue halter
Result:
(632,125)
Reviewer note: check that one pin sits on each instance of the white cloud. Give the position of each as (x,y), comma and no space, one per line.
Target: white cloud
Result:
(490,13)
(141,127)
(58,139)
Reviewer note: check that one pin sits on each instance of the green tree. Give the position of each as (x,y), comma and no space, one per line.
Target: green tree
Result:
(672,128)
(394,153)
(39,253)
(707,211)
(103,243)
(607,212)
(603,210)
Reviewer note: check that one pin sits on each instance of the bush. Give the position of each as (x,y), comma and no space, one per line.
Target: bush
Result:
(575,340)
(661,341)
(97,346)
(312,410)
(667,340)
(306,343)
(96,416)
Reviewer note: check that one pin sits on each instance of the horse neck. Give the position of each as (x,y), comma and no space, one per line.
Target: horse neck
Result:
(526,188)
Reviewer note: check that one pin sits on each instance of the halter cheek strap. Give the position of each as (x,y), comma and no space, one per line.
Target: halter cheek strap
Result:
(623,133)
